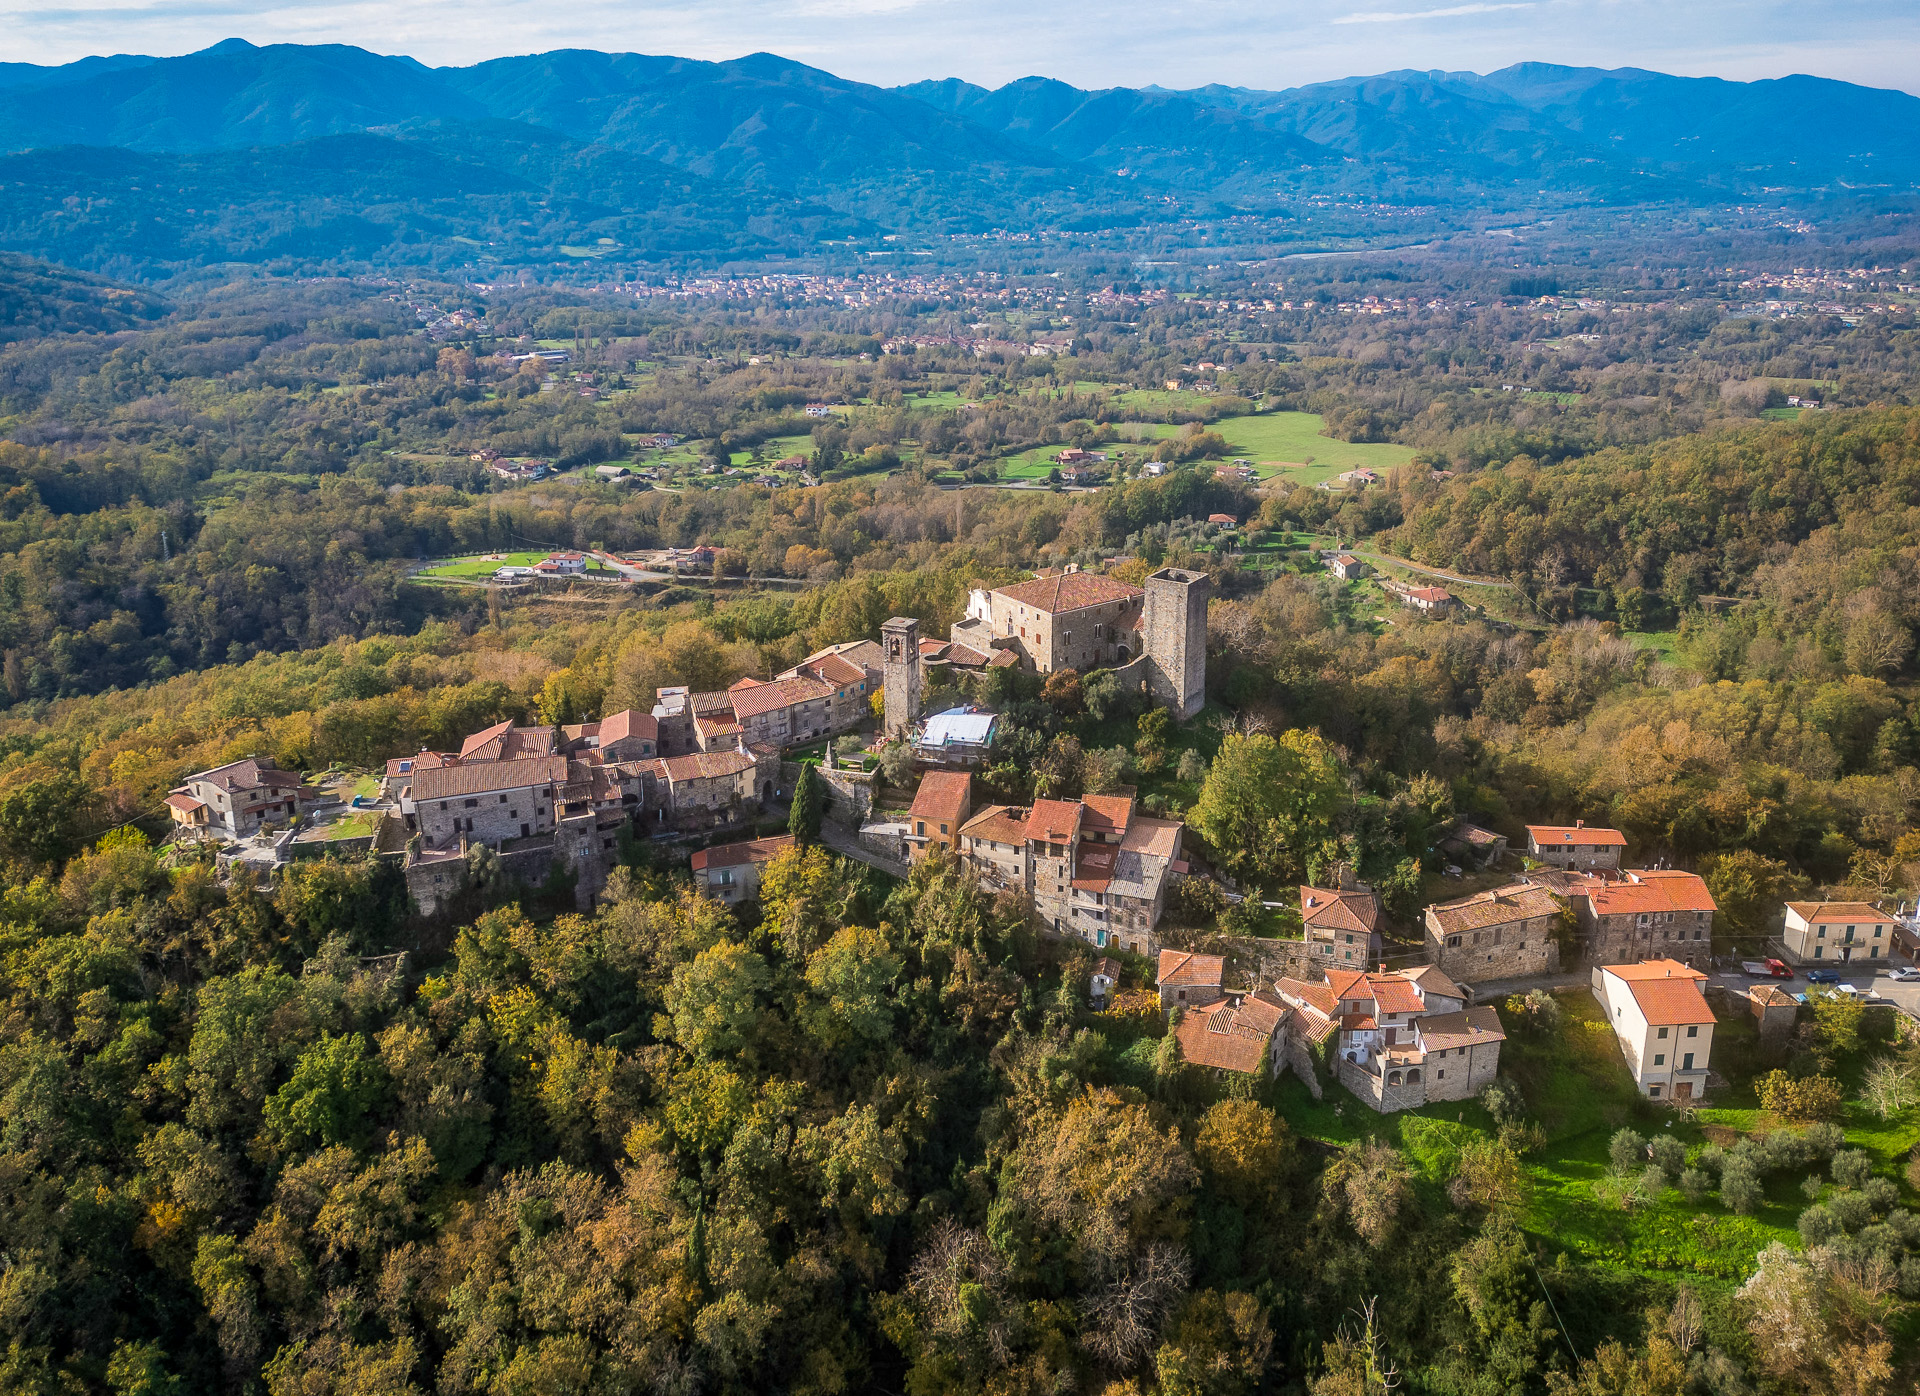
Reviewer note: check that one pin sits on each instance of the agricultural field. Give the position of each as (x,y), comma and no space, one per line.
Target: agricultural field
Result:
(775,448)
(1289,444)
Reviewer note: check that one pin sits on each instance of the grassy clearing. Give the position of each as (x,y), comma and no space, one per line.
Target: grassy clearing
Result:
(776,448)
(487,564)
(1290,443)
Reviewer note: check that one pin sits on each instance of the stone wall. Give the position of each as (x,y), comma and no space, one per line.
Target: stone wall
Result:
(493,817)
(1464,1077)
(849,793)
(1297,1056)
(1512,950)
(1370,1091)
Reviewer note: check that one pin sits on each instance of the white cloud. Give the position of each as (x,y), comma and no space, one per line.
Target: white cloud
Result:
(1404,16)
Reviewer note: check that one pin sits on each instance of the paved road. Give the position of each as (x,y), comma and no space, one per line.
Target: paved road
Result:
(1874,985)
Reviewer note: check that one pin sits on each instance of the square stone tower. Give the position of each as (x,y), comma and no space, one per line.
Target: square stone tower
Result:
(900,671)
(1174,631)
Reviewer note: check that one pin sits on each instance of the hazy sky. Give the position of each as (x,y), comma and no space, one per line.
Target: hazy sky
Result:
(1257,43)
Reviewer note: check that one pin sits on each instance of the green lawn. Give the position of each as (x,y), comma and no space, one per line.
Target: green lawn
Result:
(1284,442)
(1781,414)
(775,448)
(486,564)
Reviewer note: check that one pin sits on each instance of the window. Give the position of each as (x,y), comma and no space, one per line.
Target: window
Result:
(1693,1032)
(1663,1034)
(1660,1059)
(503,799)
(1653,1092)
(1818,951)
(472,804)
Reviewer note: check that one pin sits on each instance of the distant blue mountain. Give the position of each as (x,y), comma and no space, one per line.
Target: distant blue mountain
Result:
(763,137)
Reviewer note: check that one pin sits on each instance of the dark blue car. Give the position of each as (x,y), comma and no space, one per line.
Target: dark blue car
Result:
(1823,976)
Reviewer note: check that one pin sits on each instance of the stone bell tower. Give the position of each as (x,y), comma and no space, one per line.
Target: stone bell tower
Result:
(900,639)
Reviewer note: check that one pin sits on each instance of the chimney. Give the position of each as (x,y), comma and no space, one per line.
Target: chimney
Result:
(1579,823)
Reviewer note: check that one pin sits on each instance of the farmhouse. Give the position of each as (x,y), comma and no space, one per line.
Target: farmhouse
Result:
(1189,980)
(1649,911)
(1238,1034)
(1400,1039)
(1341,922)
(1561,846)
(236,799)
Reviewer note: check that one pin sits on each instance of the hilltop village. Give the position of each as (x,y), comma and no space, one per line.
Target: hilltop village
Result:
(1395,1020)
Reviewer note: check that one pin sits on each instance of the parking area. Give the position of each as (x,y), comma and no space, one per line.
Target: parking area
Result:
(1874,984)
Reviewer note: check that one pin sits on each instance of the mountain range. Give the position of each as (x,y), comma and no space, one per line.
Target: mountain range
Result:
(377,154)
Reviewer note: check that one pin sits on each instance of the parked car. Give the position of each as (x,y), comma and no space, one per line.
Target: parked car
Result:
(1906,974)
(1823,976)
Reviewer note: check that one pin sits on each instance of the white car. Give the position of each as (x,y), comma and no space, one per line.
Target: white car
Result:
(1906,974)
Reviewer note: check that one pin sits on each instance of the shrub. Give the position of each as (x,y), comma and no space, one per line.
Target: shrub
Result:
(1694,1184)
(1502,1100)
(1669,1154)
(1654,1180)
(1851,1168)
(1800,1098)
(1817,1226)
(1740,1190)
(1626,1151)
(1812,1186)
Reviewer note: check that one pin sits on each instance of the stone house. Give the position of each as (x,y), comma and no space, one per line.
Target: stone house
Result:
(1187,980)
(1648,912)
(1774,1010)
(628,735)
(490,802)
(1575,846)
(1239,1034)
(730,872)
(1663,1024)
(1346,567)
(1473,846)
(1506,933)
(1093,868)
(236,799)
(940,806)
(1820,932)
(1071,620)
(1400,1039)
(1341,923)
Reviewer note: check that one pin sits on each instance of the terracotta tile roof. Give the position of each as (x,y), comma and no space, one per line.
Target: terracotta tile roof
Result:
(1650,892)
(733,855)
(1093,870)
(966,657)
(714,728)
(1654,969)
(1154,838)
(1392,993)
(247,774)
(997,824)
(1230,1036)
(704,765)
(1003,659)
(1183,968)
(1665,1002)
(1107,968)
(1828,913)
(942,795)
(1070,591)
(1430,594)
(1347,983)
(1106,813)
(1319,996)
(186,804)
(1575,836)
(834,670)
(1054,821)
(1333,910)
(781,693)
(1469,1027)
(482,737)
(628,722)
(1431,982)
(1772,996)
(1519,902)
(488,777)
